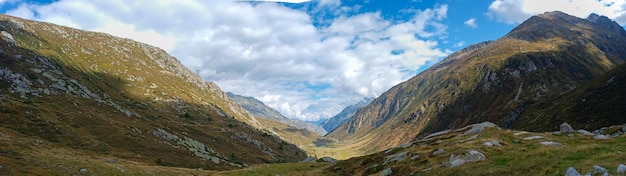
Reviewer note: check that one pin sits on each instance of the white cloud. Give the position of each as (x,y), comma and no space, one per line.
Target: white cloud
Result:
(516,11)
(459,44)
(471,23)
(270,51)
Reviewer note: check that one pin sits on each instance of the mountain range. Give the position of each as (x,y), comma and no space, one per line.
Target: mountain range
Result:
(73,100)
(331,123)
(502,81)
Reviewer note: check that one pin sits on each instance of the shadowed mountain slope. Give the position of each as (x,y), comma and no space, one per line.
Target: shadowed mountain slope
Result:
(100,95)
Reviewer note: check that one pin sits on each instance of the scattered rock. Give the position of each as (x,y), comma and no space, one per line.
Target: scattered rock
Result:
(386,172)
(112,161)
(457,162)
(328,159)
(477,128)
(6,36)
(492,143)
(82,170)
(519,133)
(566,128)
(585,132)
(474,155)
(599,170)
(533,137)
(427,169)
(601,137)
(572,172)
(468,139)
(550,143)
(415,157)
(439,151)
(396,157)
(516,140)
(624,128)
(621,169)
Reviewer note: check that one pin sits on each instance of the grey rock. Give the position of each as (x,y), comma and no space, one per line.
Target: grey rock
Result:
(599,170)
(386,172)
(415,157)
(477,128)
(427,169)
(533,137)
(439,151)
(112,161)
(571,172)
(492,143)
(516,140)
(398,157)
(566,128)
(624,128)
(601,137)
(550,143)
(82,170)
(621,169)
(474,155)
(469,139)
(585,132)
(457,162)
(328,159)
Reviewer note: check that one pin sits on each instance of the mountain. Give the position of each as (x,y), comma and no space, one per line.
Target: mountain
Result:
(260,110)
(345,114)
(67,95)
(317,122)
(546,56)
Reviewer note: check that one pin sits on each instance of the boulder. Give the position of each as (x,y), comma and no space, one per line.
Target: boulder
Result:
(328,159)
(386,172)
(396,157)
(477,128)
(571,172)
(470,156)
(601,137)
(492,143)
(439,151)
(457,162)
(550,143)
(585,132)
(82,170)
(566,128)
(599,170)
(621,169)
(533,137)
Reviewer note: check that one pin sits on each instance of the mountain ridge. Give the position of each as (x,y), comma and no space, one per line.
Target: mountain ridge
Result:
(491,81)
(91,92)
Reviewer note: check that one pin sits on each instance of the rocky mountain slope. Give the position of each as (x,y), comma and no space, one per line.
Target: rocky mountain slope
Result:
(259,110)
(345,114)
(92,93)
(544,57)
(486,149)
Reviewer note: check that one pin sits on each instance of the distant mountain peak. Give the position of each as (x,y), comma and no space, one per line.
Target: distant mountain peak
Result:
(607,23)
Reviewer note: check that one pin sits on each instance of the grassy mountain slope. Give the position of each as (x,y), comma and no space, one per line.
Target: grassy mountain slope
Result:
(75,90)
(546,56)
(516,153)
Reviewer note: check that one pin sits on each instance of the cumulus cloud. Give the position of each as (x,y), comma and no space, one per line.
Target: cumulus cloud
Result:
(516,11)
(471,23)
(267,50)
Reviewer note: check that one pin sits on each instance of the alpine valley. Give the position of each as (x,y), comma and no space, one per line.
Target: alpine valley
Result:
(545,99)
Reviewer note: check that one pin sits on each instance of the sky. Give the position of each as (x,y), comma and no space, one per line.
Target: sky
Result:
(307,59)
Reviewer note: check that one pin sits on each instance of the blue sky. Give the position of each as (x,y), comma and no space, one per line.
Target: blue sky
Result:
(308,60)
